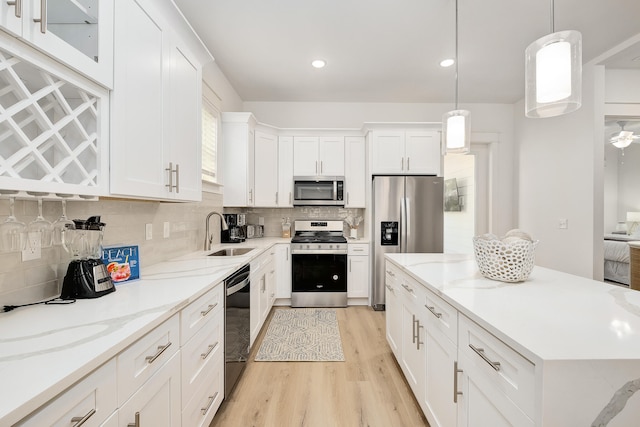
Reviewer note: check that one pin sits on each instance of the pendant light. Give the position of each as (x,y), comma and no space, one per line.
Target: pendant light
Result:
(456,130)
(553,73)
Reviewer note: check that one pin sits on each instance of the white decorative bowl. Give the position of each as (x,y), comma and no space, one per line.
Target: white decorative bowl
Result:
(510,261)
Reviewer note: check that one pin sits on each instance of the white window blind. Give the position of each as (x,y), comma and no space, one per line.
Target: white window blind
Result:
(210,125)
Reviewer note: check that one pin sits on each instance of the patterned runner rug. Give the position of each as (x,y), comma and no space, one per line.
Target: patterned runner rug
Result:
(302,334)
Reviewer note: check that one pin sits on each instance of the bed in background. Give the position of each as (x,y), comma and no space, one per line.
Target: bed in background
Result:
(616,257)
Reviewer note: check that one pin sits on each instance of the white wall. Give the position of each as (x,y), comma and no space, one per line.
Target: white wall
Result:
(622,86)
(459,227)
(560,169)
(218,82)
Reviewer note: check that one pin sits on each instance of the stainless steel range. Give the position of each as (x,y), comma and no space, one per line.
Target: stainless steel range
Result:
(319,264)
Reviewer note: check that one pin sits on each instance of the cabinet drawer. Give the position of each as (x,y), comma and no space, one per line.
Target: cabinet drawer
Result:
(508,370)
(412,292)
(93,398)
(142,359)
(441,316)
(196,314)
(357,249)
(207,397)
(199,353)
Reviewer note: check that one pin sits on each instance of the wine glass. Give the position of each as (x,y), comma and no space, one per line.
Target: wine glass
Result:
(61,225)
(40,226)
(12,232)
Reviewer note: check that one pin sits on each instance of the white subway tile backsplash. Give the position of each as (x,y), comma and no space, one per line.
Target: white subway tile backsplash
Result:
(24,282)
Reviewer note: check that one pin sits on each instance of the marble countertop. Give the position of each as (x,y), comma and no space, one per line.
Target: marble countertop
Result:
(551,316)
(46,348)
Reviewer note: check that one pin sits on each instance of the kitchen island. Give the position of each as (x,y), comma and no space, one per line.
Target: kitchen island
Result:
(555,350)
(46,349)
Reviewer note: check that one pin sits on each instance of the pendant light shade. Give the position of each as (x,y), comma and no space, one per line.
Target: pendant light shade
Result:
(553,74)
(456,128)
(456,131)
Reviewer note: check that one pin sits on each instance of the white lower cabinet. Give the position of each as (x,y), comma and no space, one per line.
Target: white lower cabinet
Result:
(358,270)
(92,401)
(283,269)
(393,307)
(460,374)
(157,402)
(262,291)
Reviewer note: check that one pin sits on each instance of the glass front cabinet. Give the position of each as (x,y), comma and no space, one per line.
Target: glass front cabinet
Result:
(78,33)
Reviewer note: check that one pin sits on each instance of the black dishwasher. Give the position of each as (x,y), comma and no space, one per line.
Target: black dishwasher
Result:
(237,329)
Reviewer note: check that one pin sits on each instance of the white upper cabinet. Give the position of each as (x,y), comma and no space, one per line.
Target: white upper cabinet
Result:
(285,171)
(318,156)
(406,152)
(355,172)
(238,135)
(155,107)
(78,33)
(266,170)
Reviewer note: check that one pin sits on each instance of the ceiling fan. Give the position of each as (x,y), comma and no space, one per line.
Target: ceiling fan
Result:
(624,138)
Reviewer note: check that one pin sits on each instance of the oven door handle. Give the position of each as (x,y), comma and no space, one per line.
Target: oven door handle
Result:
(235,288)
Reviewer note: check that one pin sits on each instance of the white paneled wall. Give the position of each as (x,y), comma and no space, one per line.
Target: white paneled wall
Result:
(23,282)
(459,226)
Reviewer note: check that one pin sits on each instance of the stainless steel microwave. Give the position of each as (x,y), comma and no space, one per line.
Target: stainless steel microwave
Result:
(318,191)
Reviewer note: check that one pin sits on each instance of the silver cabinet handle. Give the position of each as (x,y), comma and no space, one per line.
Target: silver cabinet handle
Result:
(414,328)
(170,170)
(407,288)
(418,343)
(480,352)
(456,371)
(402,164)
(137,422)
(389,287)
(433,311)
(390,273)
(211,400)
(290,202)
(276,197)
(177,171)
(208,310)
(347,197)
(18,7)
(251,195)
(350,265)
(287,253)
(320,166)
(408,164)
(316,167)
(43,16)
(81,420)
(209,350)
(161,349)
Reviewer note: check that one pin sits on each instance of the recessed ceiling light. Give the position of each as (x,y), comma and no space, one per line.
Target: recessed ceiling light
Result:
(318,63)
(446,62)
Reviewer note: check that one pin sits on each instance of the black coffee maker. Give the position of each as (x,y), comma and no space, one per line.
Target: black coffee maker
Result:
(237,231)
(87,276)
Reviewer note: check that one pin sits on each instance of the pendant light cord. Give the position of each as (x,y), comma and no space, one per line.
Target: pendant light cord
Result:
(456,53)
(552,17)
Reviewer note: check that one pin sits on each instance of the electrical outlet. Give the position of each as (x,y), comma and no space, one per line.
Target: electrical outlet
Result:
(563,223)
(148,231)
(167,230)
(33,249)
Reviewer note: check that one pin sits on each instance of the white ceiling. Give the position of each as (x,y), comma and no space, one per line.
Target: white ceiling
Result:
(389,50)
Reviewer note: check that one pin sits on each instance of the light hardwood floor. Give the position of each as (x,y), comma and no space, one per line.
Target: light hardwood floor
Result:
(368,389)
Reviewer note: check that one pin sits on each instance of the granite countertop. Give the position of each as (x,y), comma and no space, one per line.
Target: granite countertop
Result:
(550,316)
(46,348)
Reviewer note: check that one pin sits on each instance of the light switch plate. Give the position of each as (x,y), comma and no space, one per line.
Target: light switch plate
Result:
(148,231)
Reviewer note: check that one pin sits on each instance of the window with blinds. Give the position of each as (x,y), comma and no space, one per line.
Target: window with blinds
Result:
(210,125)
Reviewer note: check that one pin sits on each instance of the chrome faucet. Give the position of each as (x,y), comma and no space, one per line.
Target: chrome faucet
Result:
(208,238)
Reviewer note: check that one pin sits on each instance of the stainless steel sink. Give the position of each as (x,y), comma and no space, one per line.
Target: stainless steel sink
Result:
(231,252)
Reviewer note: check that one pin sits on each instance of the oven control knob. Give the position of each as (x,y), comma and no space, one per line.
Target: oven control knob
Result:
(330,246)
(308,246)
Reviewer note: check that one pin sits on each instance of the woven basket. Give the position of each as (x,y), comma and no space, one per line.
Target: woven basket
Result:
(505,261)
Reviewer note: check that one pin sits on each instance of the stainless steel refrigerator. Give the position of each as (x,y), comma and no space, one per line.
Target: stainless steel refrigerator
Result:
(408,217)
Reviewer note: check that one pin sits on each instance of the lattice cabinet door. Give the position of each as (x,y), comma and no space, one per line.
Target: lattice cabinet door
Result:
(53,130)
